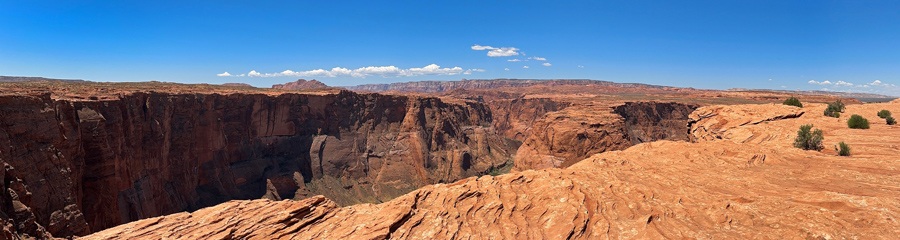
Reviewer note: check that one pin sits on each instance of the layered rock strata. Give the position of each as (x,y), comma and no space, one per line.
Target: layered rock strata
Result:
(73,167)
(715,188)
(565,137)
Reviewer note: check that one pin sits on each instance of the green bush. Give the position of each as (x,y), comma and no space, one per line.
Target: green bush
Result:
(844,149)
(858,122)
(793,102)
(884,114)
(835,109)
(891,121)
(809,140)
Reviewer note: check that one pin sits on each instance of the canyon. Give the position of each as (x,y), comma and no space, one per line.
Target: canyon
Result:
(81,157)
(739,178)
(73,167)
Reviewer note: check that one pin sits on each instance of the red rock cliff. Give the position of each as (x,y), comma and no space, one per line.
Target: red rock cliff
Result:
(74,167)
(716,188)
(563,138)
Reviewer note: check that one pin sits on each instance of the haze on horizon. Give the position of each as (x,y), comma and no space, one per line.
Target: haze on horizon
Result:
(807,45)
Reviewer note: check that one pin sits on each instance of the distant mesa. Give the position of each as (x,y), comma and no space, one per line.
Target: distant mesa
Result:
(237,85)
(33,79)
(864,97)
(445,86)
(301,84)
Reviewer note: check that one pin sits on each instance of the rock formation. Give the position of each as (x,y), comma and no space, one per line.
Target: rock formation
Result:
(565,137)
(652,121)
(714,188)
(728,122)
(74,167)
(301,84)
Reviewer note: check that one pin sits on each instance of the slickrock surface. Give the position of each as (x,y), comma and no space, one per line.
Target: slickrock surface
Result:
(76,166)
(727,188)
(733,122)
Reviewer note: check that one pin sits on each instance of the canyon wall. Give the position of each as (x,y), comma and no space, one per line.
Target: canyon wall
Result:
(720,187)
(651,121)
(75,167)
(563,138)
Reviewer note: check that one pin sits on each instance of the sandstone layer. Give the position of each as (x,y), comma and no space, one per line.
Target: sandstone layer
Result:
(718,188)
(73,167)
(563,138)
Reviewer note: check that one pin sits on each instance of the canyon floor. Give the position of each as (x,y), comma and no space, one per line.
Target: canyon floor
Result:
(520,159)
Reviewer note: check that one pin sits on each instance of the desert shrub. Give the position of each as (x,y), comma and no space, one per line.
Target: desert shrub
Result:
(891,121)
(835,109)
(808,139)
(884,114)
(793,102)
(858,122)
(843,149)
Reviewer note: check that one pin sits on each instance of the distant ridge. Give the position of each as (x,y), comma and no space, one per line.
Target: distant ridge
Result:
(301,84)
(237,85)
(865,97)
(32,79)
(444,86)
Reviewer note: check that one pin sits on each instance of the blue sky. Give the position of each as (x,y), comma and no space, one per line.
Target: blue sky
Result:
(836,45)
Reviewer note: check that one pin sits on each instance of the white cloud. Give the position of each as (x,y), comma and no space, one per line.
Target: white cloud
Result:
(579,66)
(783,86)
(524,66)
(826,82)
(382,71)
(503,52)
(877,83)
(497,52)
(479,47)
(546,64)
(538,58)
(224,74)
(842,83)
(467,72)
(770,79)
(507,69)
(514,60)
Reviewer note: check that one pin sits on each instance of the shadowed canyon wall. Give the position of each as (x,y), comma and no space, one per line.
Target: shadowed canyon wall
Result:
(75,167)
(563,138)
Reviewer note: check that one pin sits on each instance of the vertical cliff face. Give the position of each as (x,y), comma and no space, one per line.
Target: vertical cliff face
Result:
(561,139)
(79,167)
(651,121)
(515,118)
